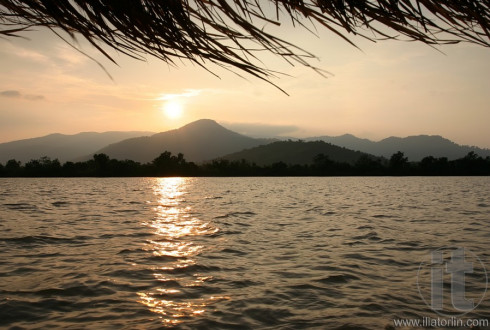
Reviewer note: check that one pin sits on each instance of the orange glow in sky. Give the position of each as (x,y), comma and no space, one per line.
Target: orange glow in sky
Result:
(389,89)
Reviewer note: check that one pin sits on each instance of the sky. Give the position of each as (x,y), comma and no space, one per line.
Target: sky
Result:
(388,88)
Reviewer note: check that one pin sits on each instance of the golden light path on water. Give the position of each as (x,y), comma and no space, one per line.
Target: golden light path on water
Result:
(175,227)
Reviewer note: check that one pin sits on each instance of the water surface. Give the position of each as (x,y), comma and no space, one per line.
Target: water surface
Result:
(272,253)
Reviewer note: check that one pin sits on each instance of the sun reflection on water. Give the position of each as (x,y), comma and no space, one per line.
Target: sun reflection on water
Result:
(176,233)
(173,311)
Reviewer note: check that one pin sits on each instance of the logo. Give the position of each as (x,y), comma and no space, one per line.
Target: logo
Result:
(452,281)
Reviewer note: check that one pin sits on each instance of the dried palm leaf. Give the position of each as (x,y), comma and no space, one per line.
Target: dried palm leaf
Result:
(227,33)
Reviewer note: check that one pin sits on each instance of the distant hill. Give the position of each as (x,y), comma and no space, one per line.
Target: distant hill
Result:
(414,147)
(198,141)
(205,139)
(295,152)
(63,147)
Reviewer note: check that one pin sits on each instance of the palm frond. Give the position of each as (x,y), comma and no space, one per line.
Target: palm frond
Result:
(225,32)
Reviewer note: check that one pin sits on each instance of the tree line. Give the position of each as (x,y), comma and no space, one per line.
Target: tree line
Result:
(167,164)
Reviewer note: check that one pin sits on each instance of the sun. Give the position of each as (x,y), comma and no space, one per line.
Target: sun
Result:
(173,109)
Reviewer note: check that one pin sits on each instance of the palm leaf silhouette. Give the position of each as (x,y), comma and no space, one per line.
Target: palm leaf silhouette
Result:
(228,32)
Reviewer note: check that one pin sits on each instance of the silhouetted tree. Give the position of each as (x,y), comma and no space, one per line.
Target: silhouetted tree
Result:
(427,165)
(323,165)
(124,168)
(471,164)
(69,169)
(12,167)
(279,169)
(101,162)
(167,164)
(43,166)
(218,167)
(398,163)
(433,166)
(367,165)
(54,167)
(322,161)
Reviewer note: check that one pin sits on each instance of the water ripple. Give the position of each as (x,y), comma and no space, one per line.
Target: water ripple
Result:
(230,253)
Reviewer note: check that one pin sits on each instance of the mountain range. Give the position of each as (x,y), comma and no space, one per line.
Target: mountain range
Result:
(295,152)
(61,146)
(201,140)
(205,140)
(414,147)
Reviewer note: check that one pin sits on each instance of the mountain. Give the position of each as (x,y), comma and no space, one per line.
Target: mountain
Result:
(414,147)
(63,147)
(198,141)
(295,152)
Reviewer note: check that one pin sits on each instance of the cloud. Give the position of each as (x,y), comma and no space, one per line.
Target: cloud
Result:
(186,93)
(10,94)
(29,54)
(261,130)
(69,56)
(33,97)
(17,94)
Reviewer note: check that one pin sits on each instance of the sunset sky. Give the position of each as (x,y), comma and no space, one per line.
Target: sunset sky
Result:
(388,89)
